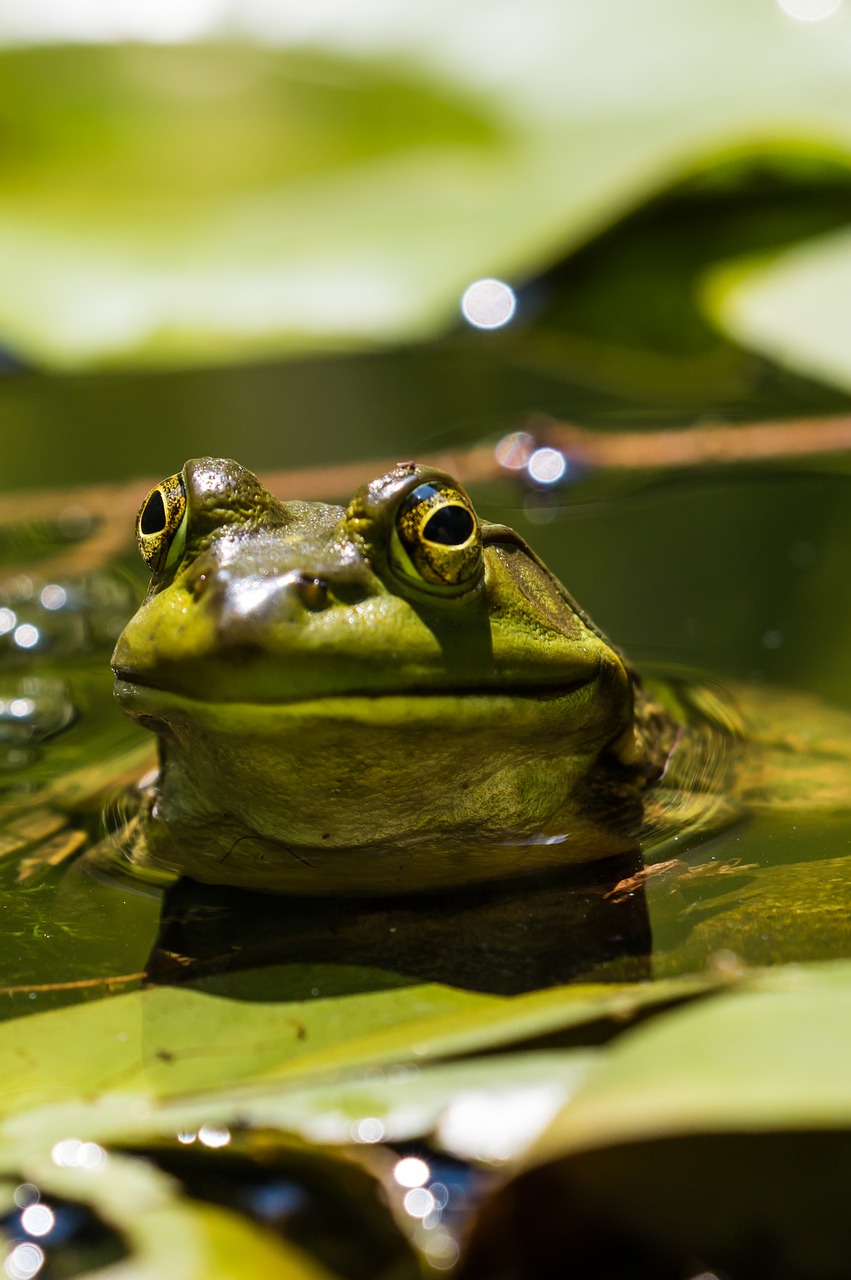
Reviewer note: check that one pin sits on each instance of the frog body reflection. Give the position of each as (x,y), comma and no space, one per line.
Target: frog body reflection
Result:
(389,697)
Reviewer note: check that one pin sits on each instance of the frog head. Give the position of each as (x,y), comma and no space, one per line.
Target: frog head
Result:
(392,696)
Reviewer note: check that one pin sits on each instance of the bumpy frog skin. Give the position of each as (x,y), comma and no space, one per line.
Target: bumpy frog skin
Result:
(388,697)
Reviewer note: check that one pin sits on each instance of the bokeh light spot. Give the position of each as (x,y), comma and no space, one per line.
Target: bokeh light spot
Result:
(369,1129)
(38,1219)
(27,636)
(547,466)
(411,1172)
(212,1135)
(24,1261)
(53,596)
(419,1202)
(488,304)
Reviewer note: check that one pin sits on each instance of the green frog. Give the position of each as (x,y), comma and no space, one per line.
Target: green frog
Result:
(391,697)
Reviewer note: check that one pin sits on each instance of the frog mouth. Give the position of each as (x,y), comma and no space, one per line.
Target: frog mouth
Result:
(127,682)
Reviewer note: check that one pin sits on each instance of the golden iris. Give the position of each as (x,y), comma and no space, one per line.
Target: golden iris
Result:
(438,533)
(161,524)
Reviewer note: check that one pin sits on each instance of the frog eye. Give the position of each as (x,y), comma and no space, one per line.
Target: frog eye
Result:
(161,525)
(437,537)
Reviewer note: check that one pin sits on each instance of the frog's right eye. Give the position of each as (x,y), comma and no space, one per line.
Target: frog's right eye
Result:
(161,525)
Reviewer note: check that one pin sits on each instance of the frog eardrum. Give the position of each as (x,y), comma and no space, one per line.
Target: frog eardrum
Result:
(161,524)
(437,538)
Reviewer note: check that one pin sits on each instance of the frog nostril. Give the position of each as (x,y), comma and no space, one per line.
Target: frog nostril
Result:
(312,592)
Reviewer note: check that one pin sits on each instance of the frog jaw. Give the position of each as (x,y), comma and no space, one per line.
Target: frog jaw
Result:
(321,795)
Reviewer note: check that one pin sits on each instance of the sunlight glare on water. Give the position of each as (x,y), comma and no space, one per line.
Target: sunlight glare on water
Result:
(496,1127)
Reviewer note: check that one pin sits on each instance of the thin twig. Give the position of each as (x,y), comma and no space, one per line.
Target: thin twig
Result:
(36,987)
(110,508)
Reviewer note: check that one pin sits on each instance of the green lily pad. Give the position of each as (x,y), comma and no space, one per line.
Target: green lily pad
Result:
(775,1052)
(487,1110)
(718,1132)
(168,1042)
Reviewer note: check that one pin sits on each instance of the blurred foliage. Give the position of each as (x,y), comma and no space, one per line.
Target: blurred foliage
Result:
(792,306)
(166,206)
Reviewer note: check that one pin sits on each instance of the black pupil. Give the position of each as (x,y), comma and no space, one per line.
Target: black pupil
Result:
(153,514)
(450,526)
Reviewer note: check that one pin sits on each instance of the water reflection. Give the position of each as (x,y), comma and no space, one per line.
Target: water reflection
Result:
(32,709)
(503,937)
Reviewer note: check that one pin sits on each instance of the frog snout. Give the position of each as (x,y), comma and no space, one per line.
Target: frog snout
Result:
(286,597)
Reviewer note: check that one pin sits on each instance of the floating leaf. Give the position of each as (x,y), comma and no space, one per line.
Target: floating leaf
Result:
(718,1131)
(166,1042)
(488,1109)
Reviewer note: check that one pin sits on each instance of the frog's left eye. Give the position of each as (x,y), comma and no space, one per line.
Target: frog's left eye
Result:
(161,525)
(437,537)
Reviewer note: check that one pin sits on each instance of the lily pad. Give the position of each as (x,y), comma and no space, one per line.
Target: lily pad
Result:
(170,1042)
(717,1132)
(487,1110)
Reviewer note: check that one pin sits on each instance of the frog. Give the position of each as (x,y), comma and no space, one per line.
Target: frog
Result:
(390,696)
